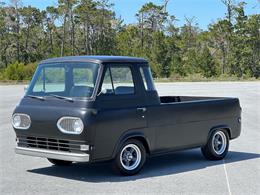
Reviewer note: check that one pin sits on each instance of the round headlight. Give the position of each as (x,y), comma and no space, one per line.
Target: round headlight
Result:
(70,125)
(78,125)
(16,121)
(21,121)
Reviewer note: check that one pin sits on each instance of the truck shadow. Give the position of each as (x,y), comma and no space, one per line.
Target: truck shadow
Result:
(175,163)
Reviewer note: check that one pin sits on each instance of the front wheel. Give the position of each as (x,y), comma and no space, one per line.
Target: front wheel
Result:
(131,157)
(217,145)
(59,162)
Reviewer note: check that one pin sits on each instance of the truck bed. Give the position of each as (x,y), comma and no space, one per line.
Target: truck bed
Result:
(172,99)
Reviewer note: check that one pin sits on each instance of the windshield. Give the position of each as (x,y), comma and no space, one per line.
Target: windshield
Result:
(74,79)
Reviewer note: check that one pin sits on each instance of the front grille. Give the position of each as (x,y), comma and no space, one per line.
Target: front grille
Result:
(50,144)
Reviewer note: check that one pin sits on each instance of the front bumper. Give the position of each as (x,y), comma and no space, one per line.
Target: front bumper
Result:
(59,155)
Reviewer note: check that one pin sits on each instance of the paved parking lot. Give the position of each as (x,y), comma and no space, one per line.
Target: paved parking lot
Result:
(184,172)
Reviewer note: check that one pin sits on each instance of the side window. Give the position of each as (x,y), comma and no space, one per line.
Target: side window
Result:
(118,81)
(107,87)
(147,78)
(51,80)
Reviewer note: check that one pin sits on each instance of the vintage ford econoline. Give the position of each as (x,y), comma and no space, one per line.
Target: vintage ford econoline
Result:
(100,108)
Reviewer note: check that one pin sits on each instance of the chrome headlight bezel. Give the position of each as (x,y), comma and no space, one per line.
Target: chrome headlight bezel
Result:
(16,126)
(71,121)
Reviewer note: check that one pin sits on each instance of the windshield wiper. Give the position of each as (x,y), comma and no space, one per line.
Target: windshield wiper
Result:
(36,97)
(62,97)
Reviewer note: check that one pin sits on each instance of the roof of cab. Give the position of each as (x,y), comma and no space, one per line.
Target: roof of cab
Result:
(97,59)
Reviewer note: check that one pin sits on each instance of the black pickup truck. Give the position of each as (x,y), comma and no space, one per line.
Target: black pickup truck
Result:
(101,108)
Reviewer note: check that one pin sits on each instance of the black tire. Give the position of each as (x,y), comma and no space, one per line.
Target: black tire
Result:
(213,150)
(59,162)
(120,163)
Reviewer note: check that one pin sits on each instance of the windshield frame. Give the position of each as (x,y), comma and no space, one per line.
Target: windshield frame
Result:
(55,64)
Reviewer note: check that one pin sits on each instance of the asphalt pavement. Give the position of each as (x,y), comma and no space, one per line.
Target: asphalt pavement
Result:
(185,172)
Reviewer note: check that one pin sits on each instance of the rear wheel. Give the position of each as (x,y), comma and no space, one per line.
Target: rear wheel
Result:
(217,145)
(131,157)
(59,162)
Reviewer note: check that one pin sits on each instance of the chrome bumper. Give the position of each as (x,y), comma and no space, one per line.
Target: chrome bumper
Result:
(68,156)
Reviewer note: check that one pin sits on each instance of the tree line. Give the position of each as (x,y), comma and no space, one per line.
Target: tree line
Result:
(230,46)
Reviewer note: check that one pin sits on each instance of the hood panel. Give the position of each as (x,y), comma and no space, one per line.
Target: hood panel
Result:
(45,114)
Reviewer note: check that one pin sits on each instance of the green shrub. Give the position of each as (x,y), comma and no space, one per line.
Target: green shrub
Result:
(19,71)
(1,74)
(175,77)
(14,71)
(29,70)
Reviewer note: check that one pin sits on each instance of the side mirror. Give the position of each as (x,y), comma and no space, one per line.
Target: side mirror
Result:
(103,91)
(25,89)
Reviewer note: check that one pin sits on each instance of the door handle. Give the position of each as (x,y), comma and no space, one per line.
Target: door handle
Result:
(141,109)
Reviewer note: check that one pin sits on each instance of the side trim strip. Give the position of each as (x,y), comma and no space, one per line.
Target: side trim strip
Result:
(74,157)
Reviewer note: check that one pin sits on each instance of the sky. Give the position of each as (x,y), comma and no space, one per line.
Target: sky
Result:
(204,11)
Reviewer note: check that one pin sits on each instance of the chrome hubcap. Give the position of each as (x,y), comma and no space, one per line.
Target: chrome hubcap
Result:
(130,157)
(219,142)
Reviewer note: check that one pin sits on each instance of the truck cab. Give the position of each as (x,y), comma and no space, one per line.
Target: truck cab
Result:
(106,108)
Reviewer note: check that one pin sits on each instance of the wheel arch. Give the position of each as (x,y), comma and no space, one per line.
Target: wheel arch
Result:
(138,135)
(226,127)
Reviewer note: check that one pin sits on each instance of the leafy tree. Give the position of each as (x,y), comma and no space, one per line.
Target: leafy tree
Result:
(231,45)
(207,63)
(219,33)
(86,12)
(152,17)
(31,18)
(66,11)
(50,16)
(4,38)
(253,42)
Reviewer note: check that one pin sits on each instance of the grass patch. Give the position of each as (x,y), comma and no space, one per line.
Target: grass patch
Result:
(11,82)
(200,78)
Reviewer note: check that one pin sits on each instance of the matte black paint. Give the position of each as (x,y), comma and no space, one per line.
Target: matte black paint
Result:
(176,123)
